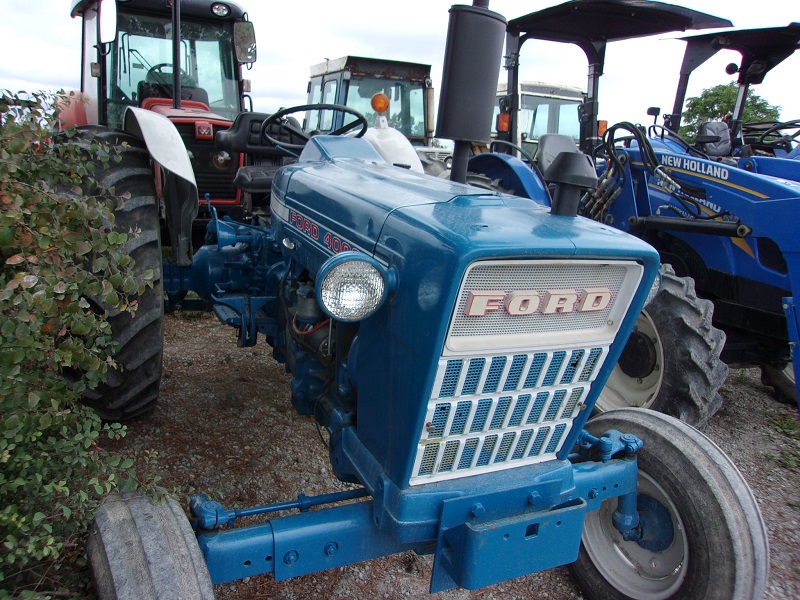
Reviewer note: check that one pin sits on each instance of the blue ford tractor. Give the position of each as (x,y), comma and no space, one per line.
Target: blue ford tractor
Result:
(452,341)
(719,212)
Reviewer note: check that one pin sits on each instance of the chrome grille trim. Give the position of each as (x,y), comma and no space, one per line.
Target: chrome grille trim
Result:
(490,417)
(498,330)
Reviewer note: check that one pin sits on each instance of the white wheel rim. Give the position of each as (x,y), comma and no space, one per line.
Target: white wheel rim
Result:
(788,371)
(635,571)
(623,391)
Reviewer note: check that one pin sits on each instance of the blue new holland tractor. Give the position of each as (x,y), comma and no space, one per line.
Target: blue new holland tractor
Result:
(719,212)
(453,342)
(748,275)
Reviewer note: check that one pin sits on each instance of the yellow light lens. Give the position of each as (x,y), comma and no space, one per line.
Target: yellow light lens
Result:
(380,102)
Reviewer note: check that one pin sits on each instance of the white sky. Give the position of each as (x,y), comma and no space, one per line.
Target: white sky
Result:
(40,46)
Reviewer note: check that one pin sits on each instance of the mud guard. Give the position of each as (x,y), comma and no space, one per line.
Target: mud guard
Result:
(166,147)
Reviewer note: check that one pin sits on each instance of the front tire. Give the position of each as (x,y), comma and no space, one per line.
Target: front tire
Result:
(132,390)
(718,548)
(139,550)
(671,362)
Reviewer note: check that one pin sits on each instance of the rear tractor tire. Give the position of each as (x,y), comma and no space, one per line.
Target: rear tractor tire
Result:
(671,362)
(703,534)
(132,390)
(139,550)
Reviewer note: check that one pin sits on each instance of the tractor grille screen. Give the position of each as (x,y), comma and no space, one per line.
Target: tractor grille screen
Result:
(210,179)
(538,303)
(496,406)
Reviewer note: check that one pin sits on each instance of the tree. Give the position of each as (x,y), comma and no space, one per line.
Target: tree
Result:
(716,102)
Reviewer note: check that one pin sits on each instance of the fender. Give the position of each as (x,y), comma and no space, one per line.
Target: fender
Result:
(166,147)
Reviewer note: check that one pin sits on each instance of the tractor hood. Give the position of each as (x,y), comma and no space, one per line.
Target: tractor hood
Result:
(341,195)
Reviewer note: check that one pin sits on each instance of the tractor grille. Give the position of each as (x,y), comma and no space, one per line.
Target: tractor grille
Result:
(502,407)
(436,154)
(210,180)
(502,330)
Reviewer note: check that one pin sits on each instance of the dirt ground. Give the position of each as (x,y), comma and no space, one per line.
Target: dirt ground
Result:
(224,426)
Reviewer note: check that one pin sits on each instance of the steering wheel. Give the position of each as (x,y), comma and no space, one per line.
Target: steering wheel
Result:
(279,118)
(665,133)
(525,156)
(155,74)
(778,140)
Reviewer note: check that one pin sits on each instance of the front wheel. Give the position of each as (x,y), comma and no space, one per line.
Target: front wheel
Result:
(140,550)
(671,362)
(703,534)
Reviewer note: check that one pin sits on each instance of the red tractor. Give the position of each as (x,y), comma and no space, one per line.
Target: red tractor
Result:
(159,80)
(139,53)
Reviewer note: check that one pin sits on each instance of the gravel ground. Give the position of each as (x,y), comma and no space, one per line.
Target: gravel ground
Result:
(224,426)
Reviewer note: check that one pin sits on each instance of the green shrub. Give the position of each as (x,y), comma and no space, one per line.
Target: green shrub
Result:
(57,250)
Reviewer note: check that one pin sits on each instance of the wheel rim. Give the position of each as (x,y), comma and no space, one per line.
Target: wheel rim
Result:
(788,371)
(637,572)
(636,388)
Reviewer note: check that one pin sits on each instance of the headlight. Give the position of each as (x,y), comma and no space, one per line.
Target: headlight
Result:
(220,10)
(221,160)
(351,286)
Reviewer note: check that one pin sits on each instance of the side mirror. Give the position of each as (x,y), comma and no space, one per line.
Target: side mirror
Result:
(108,21)
(244,41)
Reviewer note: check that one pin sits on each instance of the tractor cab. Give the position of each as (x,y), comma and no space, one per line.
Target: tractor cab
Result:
(353,80)
(132,59)
(138,64)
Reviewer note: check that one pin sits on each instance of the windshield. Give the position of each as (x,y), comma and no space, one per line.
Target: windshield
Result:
(406,109)
(140,65)
(540,115)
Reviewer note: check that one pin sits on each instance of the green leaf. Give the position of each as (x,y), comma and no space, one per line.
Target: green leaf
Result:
(82,248)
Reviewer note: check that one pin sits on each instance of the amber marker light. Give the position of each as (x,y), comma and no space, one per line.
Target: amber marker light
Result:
(380,102)
(503,122)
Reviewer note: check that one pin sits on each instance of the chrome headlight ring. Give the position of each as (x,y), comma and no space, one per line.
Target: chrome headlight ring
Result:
(351,286)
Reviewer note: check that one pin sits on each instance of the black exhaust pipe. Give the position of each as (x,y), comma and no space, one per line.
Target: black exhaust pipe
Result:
(470,74)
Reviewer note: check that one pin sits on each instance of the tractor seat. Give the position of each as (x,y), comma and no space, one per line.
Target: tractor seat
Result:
(161,90)
(714,138)
(550,146)
(244,135)
(567,172)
